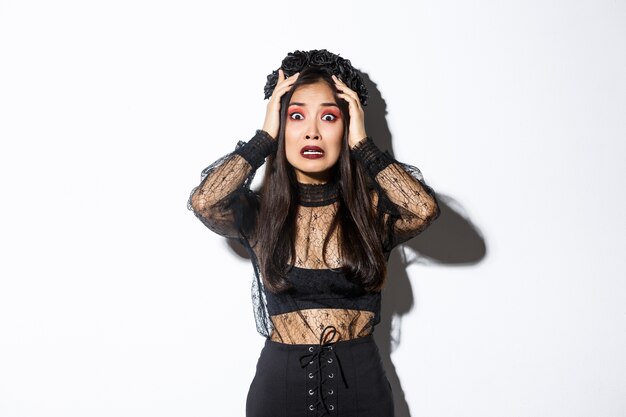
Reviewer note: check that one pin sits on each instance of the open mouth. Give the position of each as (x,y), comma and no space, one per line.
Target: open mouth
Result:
(312,152)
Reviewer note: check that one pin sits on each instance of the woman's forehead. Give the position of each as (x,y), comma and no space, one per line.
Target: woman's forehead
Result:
(320,92)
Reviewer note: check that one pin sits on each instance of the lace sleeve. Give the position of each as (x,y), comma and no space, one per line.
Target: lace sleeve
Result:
(223,200)
(408,204)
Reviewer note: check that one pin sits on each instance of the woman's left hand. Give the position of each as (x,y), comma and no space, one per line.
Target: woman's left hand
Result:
(356,130)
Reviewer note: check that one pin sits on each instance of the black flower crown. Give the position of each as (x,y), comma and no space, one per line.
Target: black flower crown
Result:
(297,61)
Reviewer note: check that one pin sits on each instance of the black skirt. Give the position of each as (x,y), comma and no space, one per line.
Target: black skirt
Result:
(344,379)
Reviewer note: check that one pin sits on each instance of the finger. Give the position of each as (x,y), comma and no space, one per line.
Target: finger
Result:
(345,89)
(352,95)
(347,97)
(282,86)
(339,81)
(290,78)
(352,100)
(287,82)
(341,86)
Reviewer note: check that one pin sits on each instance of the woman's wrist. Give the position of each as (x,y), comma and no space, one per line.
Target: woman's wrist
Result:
(371,157)
(257,149)
(270,128)
(353,144)
(265,133)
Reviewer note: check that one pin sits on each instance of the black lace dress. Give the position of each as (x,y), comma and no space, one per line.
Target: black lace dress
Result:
(324,313)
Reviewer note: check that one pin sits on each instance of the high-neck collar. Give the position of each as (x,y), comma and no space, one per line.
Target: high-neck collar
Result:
(313,195)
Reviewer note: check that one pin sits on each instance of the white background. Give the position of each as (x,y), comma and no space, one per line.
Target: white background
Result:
(116,301)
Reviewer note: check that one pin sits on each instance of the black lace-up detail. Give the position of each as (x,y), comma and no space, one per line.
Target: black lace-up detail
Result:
(324,371)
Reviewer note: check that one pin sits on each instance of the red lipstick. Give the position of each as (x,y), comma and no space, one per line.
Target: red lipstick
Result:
(312,152)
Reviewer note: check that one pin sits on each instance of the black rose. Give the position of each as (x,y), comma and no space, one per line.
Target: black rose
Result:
(294,62)
(363,94)
(341,67)
(322,58)
(272,79)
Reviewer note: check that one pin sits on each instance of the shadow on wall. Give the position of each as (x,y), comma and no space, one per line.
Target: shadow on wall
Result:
(452,239)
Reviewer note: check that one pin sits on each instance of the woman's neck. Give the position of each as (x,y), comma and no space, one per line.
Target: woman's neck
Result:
(322,194)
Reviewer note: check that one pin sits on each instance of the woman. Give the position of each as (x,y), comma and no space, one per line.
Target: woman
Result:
(319,232)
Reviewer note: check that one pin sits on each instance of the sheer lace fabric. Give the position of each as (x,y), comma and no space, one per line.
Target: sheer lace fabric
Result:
(306,326)
(311,230)
(212,201)
(224,202)
(411,205)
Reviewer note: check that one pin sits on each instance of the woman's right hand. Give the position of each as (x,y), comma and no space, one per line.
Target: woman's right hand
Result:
(272,115)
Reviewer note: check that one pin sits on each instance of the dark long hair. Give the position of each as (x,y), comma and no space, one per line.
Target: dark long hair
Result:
(355,217)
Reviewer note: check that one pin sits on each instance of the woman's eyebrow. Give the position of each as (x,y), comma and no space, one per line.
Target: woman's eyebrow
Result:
(323,104)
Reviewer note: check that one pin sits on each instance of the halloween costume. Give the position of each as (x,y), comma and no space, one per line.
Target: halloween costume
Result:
(319,357)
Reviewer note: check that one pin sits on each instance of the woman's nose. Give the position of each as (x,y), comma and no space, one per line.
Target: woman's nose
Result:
(313,132)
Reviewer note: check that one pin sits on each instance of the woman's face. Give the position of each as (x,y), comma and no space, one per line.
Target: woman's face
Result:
(313,132)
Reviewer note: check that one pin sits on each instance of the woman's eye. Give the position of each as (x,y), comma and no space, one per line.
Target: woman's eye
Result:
(296,116)
(329,117)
